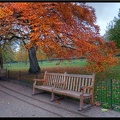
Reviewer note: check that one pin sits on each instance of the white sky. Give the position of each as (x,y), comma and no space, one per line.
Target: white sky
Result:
(105,12)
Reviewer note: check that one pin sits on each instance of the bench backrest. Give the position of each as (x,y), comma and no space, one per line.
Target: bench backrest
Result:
(50,78)
(74,81)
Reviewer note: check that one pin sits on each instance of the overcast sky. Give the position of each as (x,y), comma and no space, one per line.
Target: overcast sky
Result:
(105,12)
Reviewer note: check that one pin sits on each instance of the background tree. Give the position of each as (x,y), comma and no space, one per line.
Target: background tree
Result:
(8,53)
(113,31)
(21,54)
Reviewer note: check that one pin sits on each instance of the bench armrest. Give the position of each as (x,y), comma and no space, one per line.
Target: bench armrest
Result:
(82,88)
(37,80)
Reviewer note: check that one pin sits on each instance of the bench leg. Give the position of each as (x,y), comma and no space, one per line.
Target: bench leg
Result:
(53,97)
(85,106)
(33,91)
(81,103)
(91,100)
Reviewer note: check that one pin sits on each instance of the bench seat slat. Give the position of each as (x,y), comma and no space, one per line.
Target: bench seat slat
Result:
(42,87)
(69,93)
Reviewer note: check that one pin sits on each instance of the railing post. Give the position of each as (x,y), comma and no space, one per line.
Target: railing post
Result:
(111,93)
(20,76)
(36,75)
(8,74)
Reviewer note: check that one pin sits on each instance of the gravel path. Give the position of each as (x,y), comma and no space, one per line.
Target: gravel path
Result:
(14,104)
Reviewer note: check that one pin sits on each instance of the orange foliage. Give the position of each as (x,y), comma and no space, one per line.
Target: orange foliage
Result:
(62,30)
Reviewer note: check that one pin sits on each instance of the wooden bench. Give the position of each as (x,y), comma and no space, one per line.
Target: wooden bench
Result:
(3,73)
(71,85)
(46,84)
(76,86)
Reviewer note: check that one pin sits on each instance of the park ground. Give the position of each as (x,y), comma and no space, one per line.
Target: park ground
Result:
(13,104)
(106,91)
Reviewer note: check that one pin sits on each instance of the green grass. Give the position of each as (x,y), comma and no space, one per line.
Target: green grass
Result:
(66,66)
(46,64)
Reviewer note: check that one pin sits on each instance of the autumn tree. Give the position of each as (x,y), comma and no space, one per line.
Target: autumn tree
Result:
(59,29)
(14,30)
(40,54)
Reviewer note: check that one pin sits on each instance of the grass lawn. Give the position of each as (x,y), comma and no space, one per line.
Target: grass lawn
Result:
(46,64)
(70,67)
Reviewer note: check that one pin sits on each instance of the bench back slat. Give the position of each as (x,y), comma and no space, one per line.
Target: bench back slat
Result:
(77,81)
(89,83)
(73,82)
(50,78)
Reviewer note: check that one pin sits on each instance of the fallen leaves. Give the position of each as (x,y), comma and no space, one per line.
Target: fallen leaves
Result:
(97,103)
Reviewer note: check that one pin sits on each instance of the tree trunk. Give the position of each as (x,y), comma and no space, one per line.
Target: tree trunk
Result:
(1,61)
(34,66)
(1,57)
